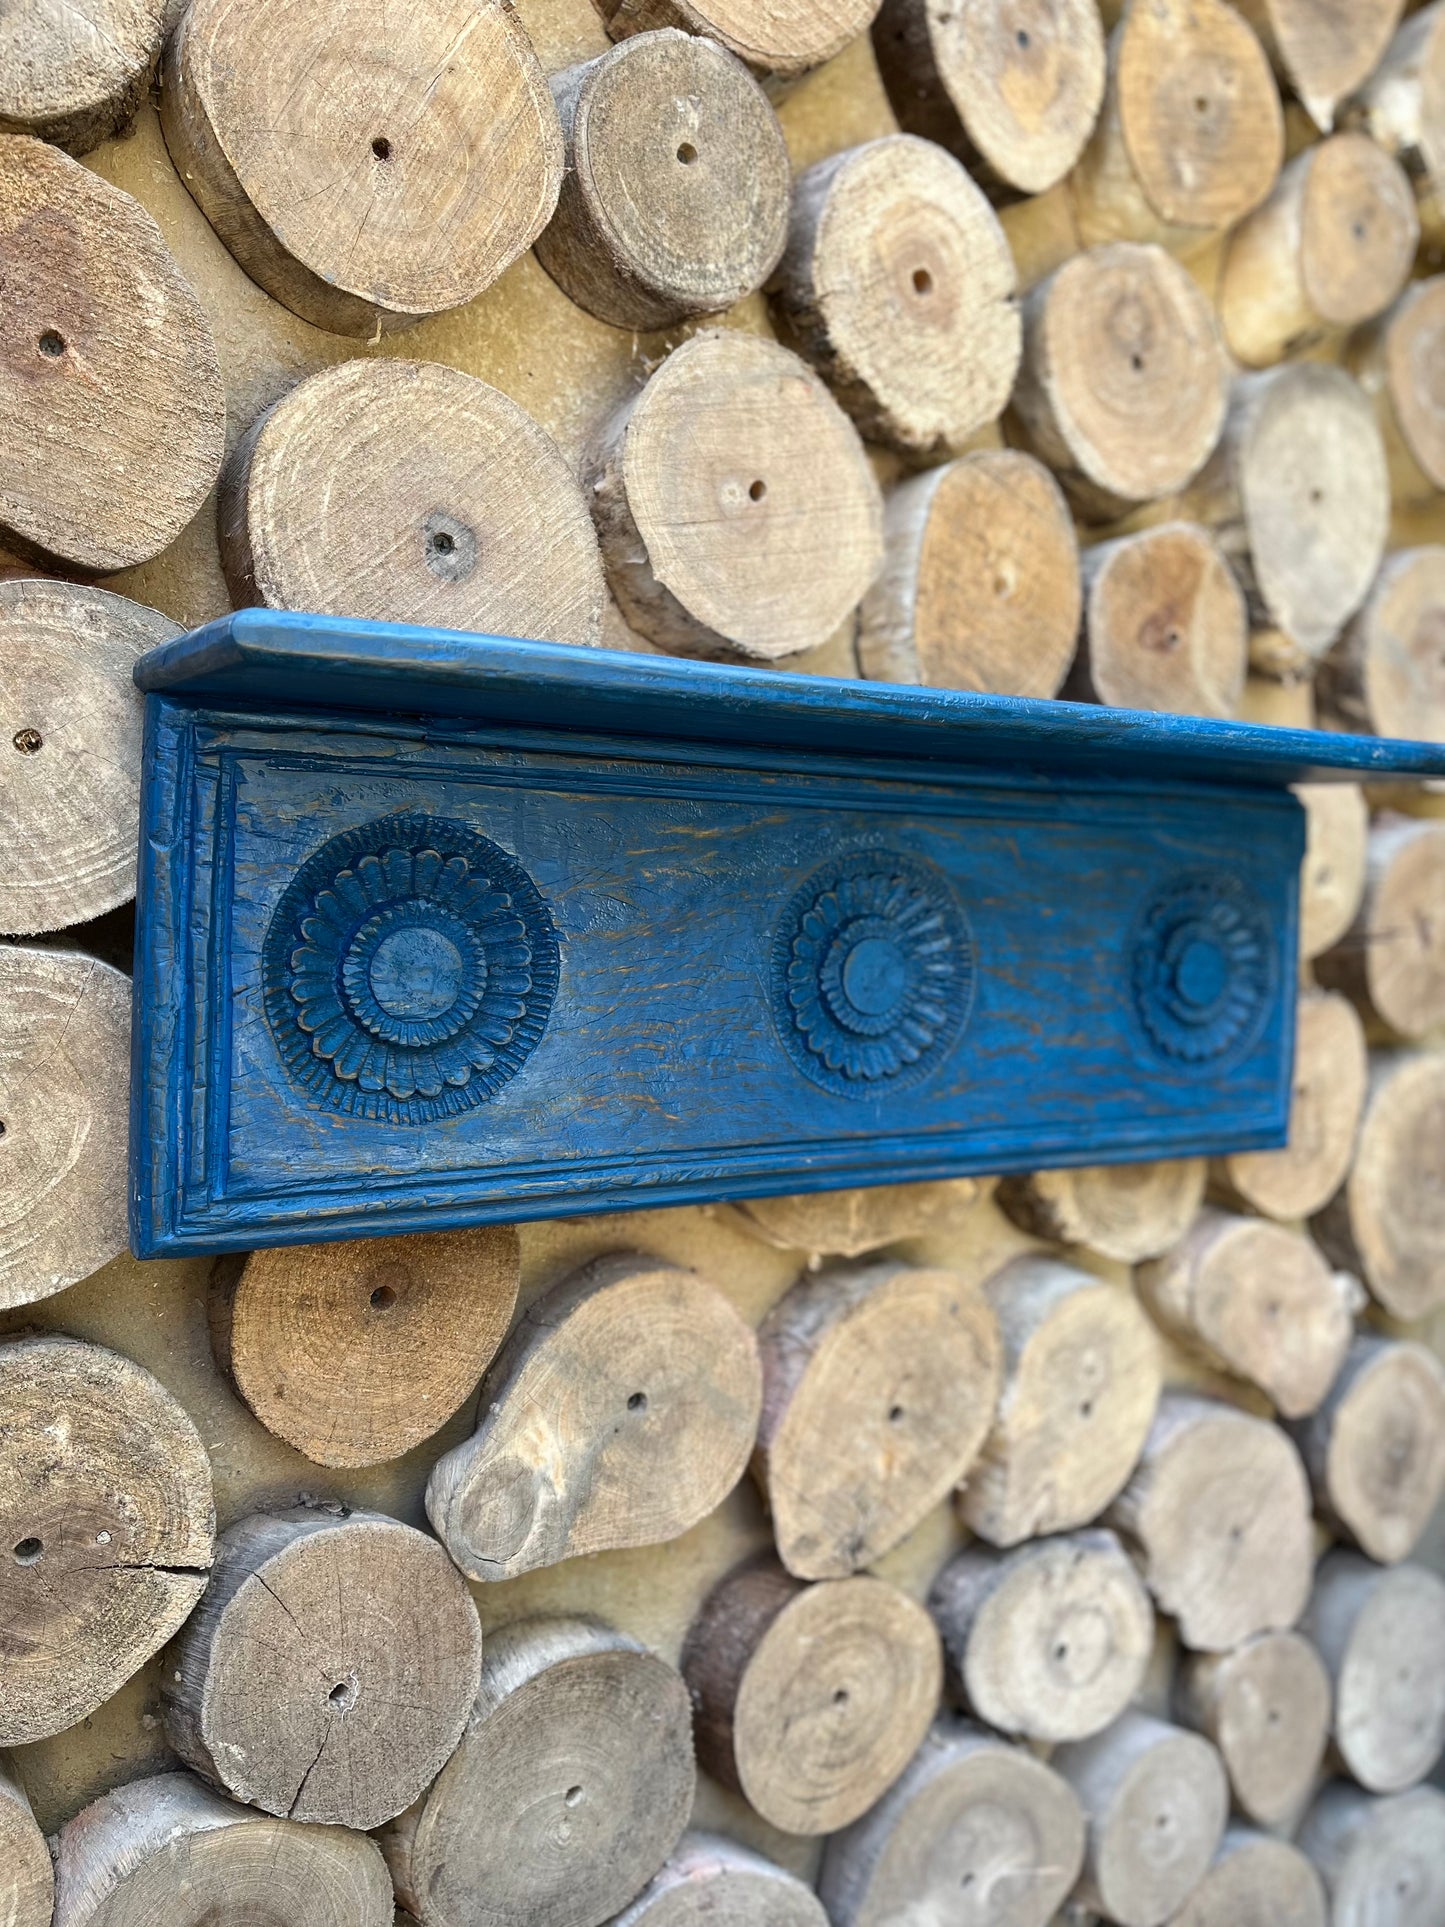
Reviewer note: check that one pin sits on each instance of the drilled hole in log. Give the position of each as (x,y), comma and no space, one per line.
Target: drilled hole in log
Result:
(52,343)
(922,281)
(343,1695)
(572,1795)
(757,490)
(27,741)
(381,147)
(383,1298)
(687,153)
(442,543)
(29,1552)
(1022,37)
(637,1402)
(840,1696)
(895,1414)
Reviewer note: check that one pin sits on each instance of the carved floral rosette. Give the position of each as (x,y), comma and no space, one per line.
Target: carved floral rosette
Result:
(873,973)
(409,970)
(1203,967)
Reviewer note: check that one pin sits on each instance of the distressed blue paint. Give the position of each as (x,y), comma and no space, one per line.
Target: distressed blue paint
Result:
(440,929)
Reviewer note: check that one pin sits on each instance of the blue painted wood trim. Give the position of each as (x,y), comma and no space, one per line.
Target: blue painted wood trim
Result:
(264,658)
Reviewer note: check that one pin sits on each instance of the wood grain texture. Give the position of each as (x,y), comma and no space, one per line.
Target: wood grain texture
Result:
(170,1849)
(1165,625)
(1330,249)
(374,1652)
(1375,1449)
(1327,1097)
(570,1787)
(711,1880)
(1391,961)
(1393,361)
(1383,673)
(1049,1641)
(356,1352)
(810,1700)
(1081,1382)
(979,587)
(1325,52)
(846,1224)
(1257,1300)
(64,1086)
(70,770)
(405,491)
(27,1883)
(112,415)
(736,508)
(879,1387)
(76,75)
(1385,1224)
(1381,1633)
(1123,1211)
(675,197)
(781,41)
(359,170)
(1219,1510)
(1366,1847)
(1332,880)
(1191,137)
(1012,87)
(898,285)
(1266,1707)
(106,1520)
(972,1830)
(1254,1881)
(1155,1799)
(1125,381)
(619,1412)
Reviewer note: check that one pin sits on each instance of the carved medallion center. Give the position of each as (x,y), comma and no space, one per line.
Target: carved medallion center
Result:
(875,976)
(416,973)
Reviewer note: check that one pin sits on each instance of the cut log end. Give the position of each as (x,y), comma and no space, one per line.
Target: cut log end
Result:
(1381,1632)
(1332,877)
(1123,1211)
(355,1352)
(1392,961)
(810,1700)
(77,79)
(1165,625)
(1266,1706)
(357,169)
(1254,1881)
(780,40)
(1368,1848)
(712,1882)
(374,1653)
(845,1224)
(1326,53)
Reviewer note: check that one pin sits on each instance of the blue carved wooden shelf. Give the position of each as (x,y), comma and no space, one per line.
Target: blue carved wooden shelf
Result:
(436,929)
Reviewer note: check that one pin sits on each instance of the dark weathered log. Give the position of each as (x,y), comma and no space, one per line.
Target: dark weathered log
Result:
(1012,89)
(675,198)
(373,1652)
(106,1527)
(1379,1852)
(1391,961)
(1123,1211)
(570,1787)
(1381,1632)
(1258,1300)
(1331,1066)
(1191,136)
(76,77)
(1266,1706)
(169,1849)
(1330,249)
(1125,380)
(619,1412)
(708,1881)
(405,491)
(810,1700)
(64,1098)
(880,1383)
(1081,1382)
(980,581)
(1049,1641)
(1156,1800)
(355,1352)
(1386,1225)
(356,167)
(973,1829)
(736,507)
(1219,1509)
(112,415)
(1376,1448)
(898,285)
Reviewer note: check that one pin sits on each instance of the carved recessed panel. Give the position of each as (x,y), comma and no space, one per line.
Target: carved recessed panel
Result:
(873,973)
(1203,967)
(409,970)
